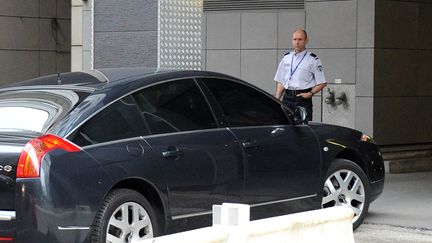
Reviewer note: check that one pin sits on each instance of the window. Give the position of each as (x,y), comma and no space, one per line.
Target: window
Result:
(17,118)
(120,120)
(175,106)
(164,108)
(36,110)
(245,106)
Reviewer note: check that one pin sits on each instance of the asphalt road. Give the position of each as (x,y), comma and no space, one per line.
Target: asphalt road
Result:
(403,213)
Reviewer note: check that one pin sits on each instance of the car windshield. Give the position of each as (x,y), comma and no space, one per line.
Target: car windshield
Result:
(35,110)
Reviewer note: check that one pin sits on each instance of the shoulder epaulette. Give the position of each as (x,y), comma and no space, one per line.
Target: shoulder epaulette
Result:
(287,53)
(314,55)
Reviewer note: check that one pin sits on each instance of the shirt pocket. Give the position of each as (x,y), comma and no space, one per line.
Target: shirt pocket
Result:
(287,65)
(304,74)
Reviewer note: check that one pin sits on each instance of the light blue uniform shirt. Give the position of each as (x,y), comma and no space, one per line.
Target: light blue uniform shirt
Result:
(300,71)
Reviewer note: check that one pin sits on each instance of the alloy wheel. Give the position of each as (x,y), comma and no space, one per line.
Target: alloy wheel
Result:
(344,188)
(130,222)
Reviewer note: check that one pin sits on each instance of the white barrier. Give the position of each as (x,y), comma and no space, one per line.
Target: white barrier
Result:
(231,225)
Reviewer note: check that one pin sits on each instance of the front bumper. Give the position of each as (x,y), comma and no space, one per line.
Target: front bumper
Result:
(377,188)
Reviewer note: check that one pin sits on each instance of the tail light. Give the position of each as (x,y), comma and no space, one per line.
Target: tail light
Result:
(30,160)
(4,239)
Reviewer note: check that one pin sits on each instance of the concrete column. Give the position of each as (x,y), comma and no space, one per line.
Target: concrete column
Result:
(82,35)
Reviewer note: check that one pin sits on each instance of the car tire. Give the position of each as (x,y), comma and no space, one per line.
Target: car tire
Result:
(346,184)
(116,221)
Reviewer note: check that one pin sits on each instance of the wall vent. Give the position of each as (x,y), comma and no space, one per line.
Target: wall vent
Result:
(227,5)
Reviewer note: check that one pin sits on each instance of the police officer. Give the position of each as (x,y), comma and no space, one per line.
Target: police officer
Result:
(299,75)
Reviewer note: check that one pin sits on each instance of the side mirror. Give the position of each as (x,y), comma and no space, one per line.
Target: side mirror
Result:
(300,116)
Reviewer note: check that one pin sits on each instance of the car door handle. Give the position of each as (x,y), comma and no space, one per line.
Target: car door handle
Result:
(172,152)
(250,144)
(277,131)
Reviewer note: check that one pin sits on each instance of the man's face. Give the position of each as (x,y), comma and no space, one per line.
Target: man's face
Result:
(299,41)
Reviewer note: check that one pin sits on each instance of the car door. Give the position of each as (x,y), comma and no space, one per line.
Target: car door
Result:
(113,151)
(282,161)
(201,163)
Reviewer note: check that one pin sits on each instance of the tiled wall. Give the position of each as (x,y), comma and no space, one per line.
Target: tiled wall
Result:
(378,52)
(250,44)
(35,38)
(342,32)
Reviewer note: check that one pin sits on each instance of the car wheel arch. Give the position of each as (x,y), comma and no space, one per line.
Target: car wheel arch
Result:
(149,191)
(353,156)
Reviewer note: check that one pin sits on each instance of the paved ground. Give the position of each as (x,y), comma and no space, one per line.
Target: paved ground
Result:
(406,201)
(403,213)
(371,233)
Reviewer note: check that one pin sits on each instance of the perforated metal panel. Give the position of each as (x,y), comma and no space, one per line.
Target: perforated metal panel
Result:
(179,34)
(225,5)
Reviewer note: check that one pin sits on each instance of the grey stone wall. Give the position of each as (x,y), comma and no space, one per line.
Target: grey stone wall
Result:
(402,80)
(35,38)
(125,35)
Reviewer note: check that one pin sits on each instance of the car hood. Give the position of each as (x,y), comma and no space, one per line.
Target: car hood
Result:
(329,132)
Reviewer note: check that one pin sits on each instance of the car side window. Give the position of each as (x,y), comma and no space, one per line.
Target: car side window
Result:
(175,106)
(119,120)
(245,106)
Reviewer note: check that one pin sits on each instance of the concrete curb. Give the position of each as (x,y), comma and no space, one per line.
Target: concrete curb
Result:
(323,225)
(407,158)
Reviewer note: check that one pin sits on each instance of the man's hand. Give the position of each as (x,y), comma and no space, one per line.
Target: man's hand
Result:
(307,95)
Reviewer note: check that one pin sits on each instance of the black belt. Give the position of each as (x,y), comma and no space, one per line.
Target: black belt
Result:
(297,91)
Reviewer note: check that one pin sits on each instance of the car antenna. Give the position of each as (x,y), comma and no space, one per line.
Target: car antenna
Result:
(58,79)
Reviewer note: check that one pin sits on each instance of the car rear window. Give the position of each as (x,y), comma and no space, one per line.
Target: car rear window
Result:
(36,110)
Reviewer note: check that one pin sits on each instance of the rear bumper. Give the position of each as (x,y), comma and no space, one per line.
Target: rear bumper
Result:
(44,217)
(7,225)
(7,215)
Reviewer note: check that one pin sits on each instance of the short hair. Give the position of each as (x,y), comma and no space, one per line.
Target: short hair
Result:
(302,30)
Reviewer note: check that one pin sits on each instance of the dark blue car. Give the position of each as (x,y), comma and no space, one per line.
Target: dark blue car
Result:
(117,155)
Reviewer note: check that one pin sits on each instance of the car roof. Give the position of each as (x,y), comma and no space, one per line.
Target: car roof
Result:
(94,79)
(117,76)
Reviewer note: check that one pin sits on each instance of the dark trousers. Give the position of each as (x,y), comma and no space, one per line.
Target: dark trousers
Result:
(292,101)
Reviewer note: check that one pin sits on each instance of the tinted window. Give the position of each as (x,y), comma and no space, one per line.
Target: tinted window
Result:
(121,119)
(175,106)
(245,106)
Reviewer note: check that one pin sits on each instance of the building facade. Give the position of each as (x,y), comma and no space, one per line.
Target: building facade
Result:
(376,53)
(35,38)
